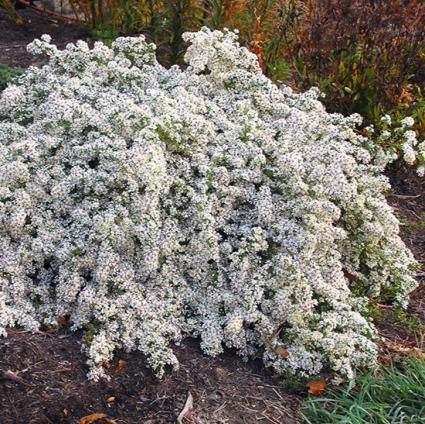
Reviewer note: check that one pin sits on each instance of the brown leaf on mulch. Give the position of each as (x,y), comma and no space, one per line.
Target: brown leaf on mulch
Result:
(121,364)
(88,419)
(316,387)
(62,320)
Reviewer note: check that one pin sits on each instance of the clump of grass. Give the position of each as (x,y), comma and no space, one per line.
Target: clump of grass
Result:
(396,395)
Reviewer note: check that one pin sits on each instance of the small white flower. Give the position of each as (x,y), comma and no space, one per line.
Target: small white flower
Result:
(386,119)
(407,122)
(46,37)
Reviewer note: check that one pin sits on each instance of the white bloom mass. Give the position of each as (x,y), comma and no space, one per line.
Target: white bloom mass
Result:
(407,122)
(148,204)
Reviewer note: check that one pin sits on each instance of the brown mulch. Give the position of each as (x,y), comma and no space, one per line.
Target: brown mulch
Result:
(52,386)
(408,202)
(14,38)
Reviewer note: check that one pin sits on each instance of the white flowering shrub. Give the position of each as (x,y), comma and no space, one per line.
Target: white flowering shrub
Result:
(148,204)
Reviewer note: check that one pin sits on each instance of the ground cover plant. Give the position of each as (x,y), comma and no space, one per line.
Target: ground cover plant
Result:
(144,204)
(395,395)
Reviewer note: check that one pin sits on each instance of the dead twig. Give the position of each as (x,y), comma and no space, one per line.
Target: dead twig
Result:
(188,407)
(405,196)
(10,375)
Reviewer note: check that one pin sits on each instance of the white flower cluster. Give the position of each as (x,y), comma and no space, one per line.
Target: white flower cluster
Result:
(395,142)
(148,204)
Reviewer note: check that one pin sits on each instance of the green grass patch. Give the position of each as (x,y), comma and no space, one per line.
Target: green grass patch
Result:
(394,396)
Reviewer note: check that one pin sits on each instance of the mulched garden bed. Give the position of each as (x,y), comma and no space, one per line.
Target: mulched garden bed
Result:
(43,375)
(408,200)
(52,387)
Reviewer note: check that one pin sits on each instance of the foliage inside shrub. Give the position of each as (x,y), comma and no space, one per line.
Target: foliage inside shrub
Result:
(8,74)
(395,395)
(147,204)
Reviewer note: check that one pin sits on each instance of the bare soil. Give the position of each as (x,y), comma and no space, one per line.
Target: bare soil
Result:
(14,38)
(52,387)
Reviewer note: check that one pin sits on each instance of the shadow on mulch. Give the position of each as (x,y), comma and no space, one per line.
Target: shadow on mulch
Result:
(53,387)
(408,201)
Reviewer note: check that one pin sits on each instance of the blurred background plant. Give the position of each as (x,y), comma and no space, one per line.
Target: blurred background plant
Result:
(367,56)
(162,21)
(10,7)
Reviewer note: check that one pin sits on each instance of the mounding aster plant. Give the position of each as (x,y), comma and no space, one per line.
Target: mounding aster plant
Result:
(149,204)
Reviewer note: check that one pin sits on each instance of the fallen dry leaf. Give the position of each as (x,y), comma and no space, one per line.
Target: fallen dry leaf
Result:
(106,364)
(110,399)
(121,364)
(62,320)
(316,387)
(92,417)
(65,412)
(281,351)
(97,416)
